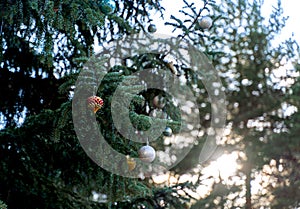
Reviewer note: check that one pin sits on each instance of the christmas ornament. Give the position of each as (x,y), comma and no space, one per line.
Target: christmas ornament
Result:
(170,65)
(147,154)
(168,131)
(131,163)
(108,7)
(152,28)
(159,101)
(95,103)
(205,22)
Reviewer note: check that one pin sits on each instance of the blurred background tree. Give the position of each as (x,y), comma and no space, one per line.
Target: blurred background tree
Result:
(260,78)
(44,46)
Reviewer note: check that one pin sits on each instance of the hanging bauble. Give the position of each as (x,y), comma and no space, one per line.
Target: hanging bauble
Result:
(159,101)
(147,154)
(152,28)
(205,22)
(108,7)
(95,103)
(168,131)
(131,163)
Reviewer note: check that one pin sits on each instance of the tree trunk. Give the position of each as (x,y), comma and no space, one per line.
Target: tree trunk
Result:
(248,187)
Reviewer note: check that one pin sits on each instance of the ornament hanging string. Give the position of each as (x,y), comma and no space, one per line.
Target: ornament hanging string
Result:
(1,26)
(95,91)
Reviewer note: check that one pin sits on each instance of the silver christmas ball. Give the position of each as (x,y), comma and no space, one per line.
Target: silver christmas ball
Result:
(159,101)
(152,28)
(108,7)
(167,132)
(147,154)
(205,22)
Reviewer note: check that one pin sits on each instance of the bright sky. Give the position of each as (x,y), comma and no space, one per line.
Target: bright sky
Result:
(290,7)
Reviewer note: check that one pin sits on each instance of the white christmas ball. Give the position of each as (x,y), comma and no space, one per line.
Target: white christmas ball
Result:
(147,154)
(205,22)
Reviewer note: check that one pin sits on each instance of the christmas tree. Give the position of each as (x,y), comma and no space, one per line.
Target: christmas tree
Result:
(99,111)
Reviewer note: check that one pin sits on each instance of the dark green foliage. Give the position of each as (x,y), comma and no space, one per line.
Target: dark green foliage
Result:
(44,41)
(2,205)
(43,46)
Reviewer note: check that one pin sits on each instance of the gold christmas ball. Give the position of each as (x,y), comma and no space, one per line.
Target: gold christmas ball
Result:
(147,154)
(159,101)
(130,163)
